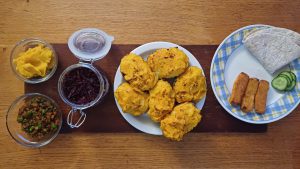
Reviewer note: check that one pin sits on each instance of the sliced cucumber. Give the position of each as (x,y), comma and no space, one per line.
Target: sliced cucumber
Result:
(280,83)
(294,76)
(293,79)
(288,74)
(291,86)
(287,78)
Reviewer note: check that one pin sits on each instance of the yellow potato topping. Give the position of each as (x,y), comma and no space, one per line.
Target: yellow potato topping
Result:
(137,72)
(168,63)
(161,100)
(190,86)
(35,62)
(182,120)
(131,100)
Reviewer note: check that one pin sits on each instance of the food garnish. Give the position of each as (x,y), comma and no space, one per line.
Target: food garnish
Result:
(285,81)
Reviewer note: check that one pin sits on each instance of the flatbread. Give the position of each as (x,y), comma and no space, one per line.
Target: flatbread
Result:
(274,48)
(294,36)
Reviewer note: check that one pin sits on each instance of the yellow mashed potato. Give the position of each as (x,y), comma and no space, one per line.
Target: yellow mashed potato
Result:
(161,100)
(182,119)
(137,72)
(132,101)
(168,63)
(35,62)
(190,86)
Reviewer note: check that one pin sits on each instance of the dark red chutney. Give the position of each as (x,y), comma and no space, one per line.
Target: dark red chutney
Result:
(81,86)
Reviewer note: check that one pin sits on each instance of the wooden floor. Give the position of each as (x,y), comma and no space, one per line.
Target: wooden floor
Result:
(137,22)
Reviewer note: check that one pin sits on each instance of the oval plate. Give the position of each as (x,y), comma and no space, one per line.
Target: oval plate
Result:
(232,58)
(143,122)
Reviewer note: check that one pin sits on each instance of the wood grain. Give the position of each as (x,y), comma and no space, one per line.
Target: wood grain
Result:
(135,22)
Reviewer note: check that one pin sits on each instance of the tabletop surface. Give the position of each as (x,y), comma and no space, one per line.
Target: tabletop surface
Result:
(136,22)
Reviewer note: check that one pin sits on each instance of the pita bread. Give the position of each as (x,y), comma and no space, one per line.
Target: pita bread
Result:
(294,36)
(274,47)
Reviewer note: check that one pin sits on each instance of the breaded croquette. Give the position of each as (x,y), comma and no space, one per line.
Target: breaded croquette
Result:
(261,96)
(239,88)
(248,100)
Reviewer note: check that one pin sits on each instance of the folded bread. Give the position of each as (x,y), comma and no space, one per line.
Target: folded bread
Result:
(273,47)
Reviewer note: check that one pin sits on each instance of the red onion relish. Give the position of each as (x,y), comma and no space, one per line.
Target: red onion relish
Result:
(81,86)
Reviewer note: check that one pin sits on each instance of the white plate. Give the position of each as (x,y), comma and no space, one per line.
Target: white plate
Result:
(143,122)
(232,58)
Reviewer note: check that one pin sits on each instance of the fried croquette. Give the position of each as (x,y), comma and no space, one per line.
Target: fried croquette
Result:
(239,88)
(190,86)
(131,100)
(168,63)
(182,119)
(261,97)
(248,100)
(161,100)
(137,72)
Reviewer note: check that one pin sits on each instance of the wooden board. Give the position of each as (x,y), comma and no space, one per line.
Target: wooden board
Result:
(105,116)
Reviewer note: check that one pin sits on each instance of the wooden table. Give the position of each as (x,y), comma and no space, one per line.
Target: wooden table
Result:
(137,22)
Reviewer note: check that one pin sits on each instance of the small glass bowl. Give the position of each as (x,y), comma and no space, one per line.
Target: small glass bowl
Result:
(15,130)
(23,46)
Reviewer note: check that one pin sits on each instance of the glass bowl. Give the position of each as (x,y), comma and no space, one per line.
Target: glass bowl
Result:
(15,130)
(23,46)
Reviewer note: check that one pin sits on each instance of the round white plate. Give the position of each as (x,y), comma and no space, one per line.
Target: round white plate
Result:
(143,122)
(232,58)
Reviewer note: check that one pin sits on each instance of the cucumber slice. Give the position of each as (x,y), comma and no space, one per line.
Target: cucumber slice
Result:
(287,78)
(280,83)
(294,76)
(289,74)
(291,87)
